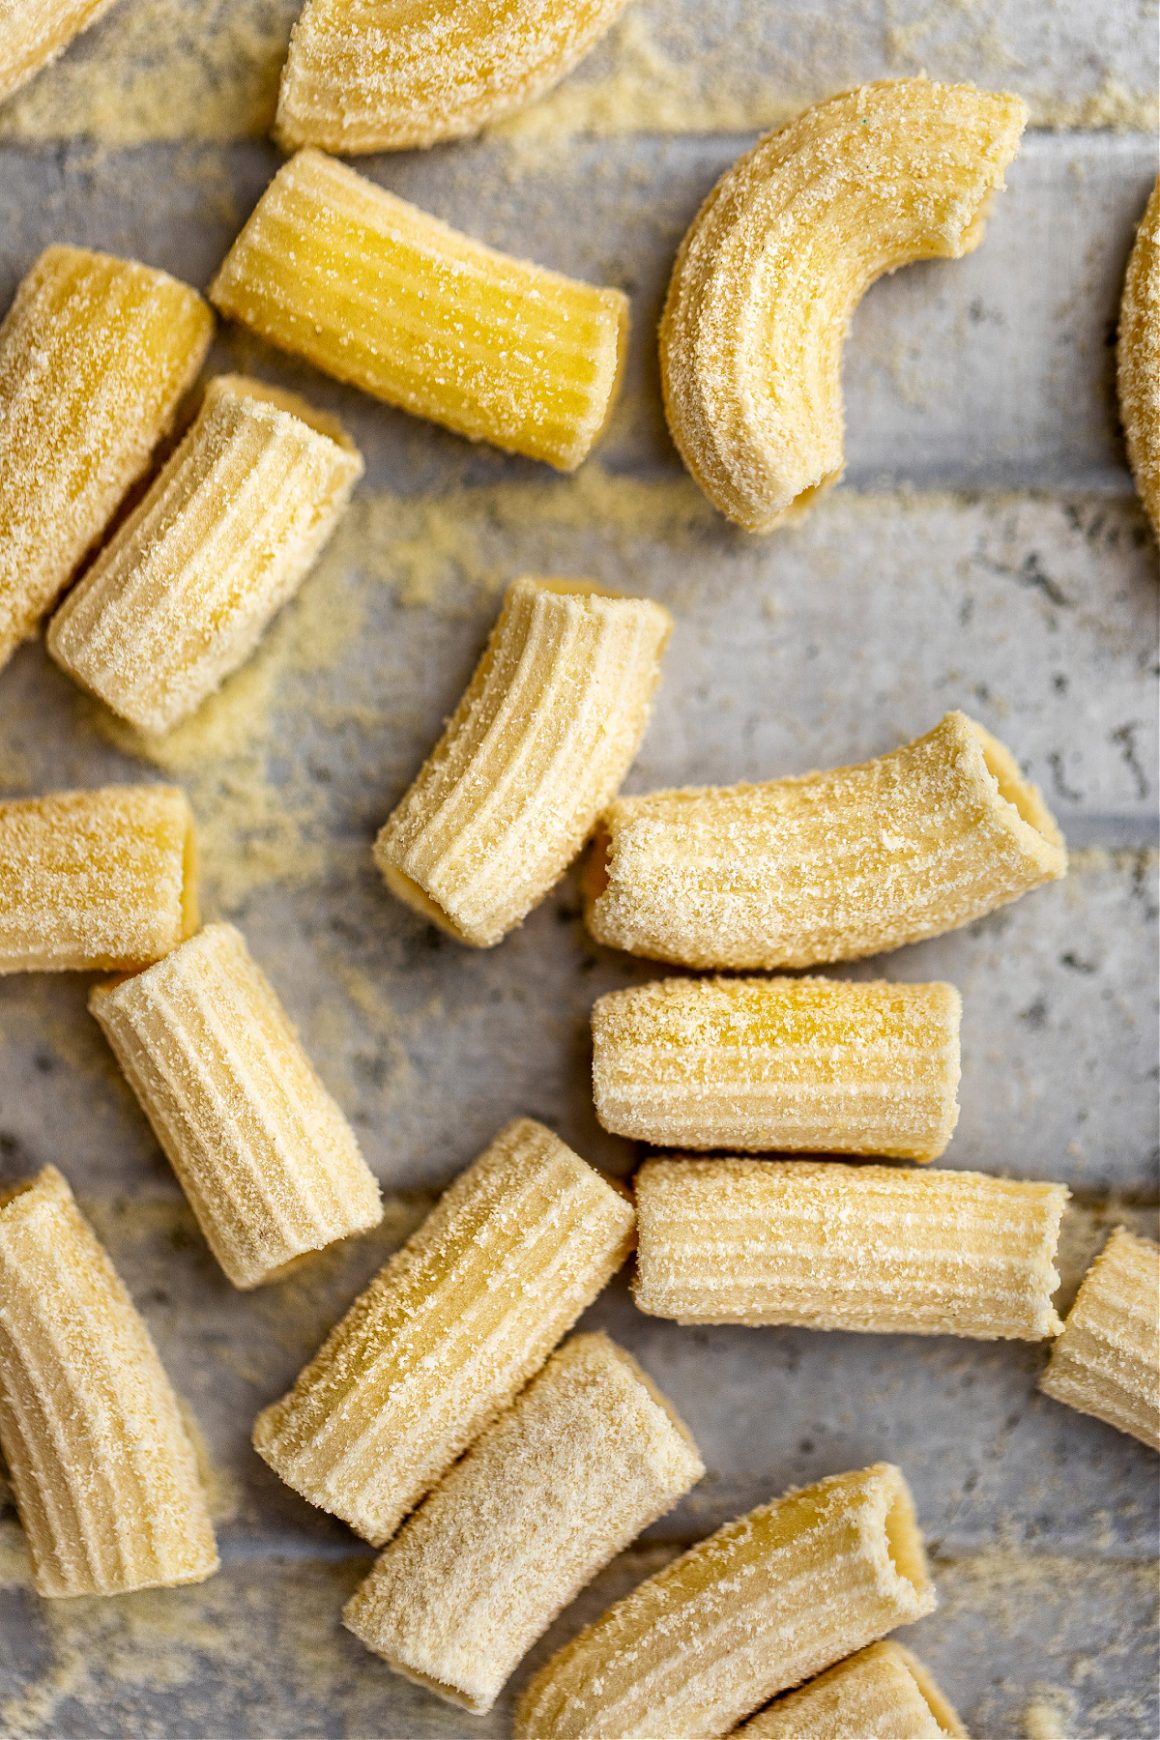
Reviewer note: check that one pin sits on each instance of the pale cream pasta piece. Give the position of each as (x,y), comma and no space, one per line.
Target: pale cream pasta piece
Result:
(801,1065)
(180,596)
(778,258)
(826,867)
(95,354)
(764,1603)
(1107,1360)
(449,1331)
(34,32)
(585,1458)
(544,734)
(96,879)
(882,1693)
(1138,358)
(881,1249)
(104,1473)
(271,1167)
(383,295)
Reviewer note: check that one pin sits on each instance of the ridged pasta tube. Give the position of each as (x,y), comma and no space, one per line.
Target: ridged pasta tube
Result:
(180,596)
(544,734)
(584,1459)
(386,75)
(96,879)
(826,1246)
(94,355)
(104,1473)
(1107,1360)
(826,867)
(882,1693)
(34,32)
(801,1065)
(449,1331)
(381,294)
(270,1165)
(1138,358)
(780,255)
(759,1606)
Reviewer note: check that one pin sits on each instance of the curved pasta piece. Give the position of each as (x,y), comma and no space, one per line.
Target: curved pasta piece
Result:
(1138,358)
(827,867)
(1107,1360)
(543,736)
(95,353)
(387,75)
(34,32)
(182,593)
(104,1473)
(778,258)
(882,1693)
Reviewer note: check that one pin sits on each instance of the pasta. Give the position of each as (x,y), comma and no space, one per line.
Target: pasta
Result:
(95,879)
(270,1165)
(1107,1360)
(449,1331)
(1138,358)
(542,738)
(94,355)
(181,595)
(827,1246)
(762,1604)
(813,1065)
(587,1456)
(379,293)
(103,1470)
(882,1693)
(34,32)
(828,867)
(778,258)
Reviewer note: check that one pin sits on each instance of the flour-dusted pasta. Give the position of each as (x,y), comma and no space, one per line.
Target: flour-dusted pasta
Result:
(1138,357)
(1107,1360)
(882,1693)
(34,32)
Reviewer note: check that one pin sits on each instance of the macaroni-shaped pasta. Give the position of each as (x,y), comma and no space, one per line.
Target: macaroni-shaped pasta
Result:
(270,1165)
(584,1459)
(34,32)
(801,1065)
(94,355)
(449,1331)
(104,1473)
(540,742)
(826,1246)
(882,1693)
(95,879)
(764,1603)
(1138,358)
(383,75)
(827,867)
(778,258)
(181,595)
(1107,1360)
(381,294)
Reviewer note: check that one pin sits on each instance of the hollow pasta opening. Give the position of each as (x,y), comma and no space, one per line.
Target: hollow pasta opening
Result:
(417,898)
(594,876)
(903,1541)
(442,1688)
(942,1712)
(1017,791)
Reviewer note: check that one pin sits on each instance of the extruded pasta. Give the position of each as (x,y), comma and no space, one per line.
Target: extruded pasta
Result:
(801,1065)
(827,1246)
(381,294)
(94,355)
(95,879)
(103,1470)
(181,595)
(449,1331)
(882,1693)
(759,1606)
(778,258)
(1138,358)
(540,742)
(269,1163)
(827,867)
(1107,1360)
(34,32)
(584,1459)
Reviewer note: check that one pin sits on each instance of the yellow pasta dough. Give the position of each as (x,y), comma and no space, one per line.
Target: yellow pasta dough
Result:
(1138,376)
(1107,1360)
(882,1693)
(34,32)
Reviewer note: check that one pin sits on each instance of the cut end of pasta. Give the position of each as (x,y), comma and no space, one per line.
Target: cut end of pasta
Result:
(894,1538)
(1039,833)
(1138,359)
(1106,1361)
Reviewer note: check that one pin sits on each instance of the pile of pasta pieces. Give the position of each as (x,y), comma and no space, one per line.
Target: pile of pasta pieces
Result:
(446,1418)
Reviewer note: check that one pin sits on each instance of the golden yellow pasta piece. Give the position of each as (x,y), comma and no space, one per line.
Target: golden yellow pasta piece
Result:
(95,879)
(104,1473)
(34,32)
(540,742)
(381,294)
(584,1459)
(882,1693)
(181,595)
(778,258)
(449,1331)
(826,867)
(1107,1361)
(762,1604)
(385,75)
(270,1165)
(1138,358)
(94,355)
(802,1065)
(826,1246)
